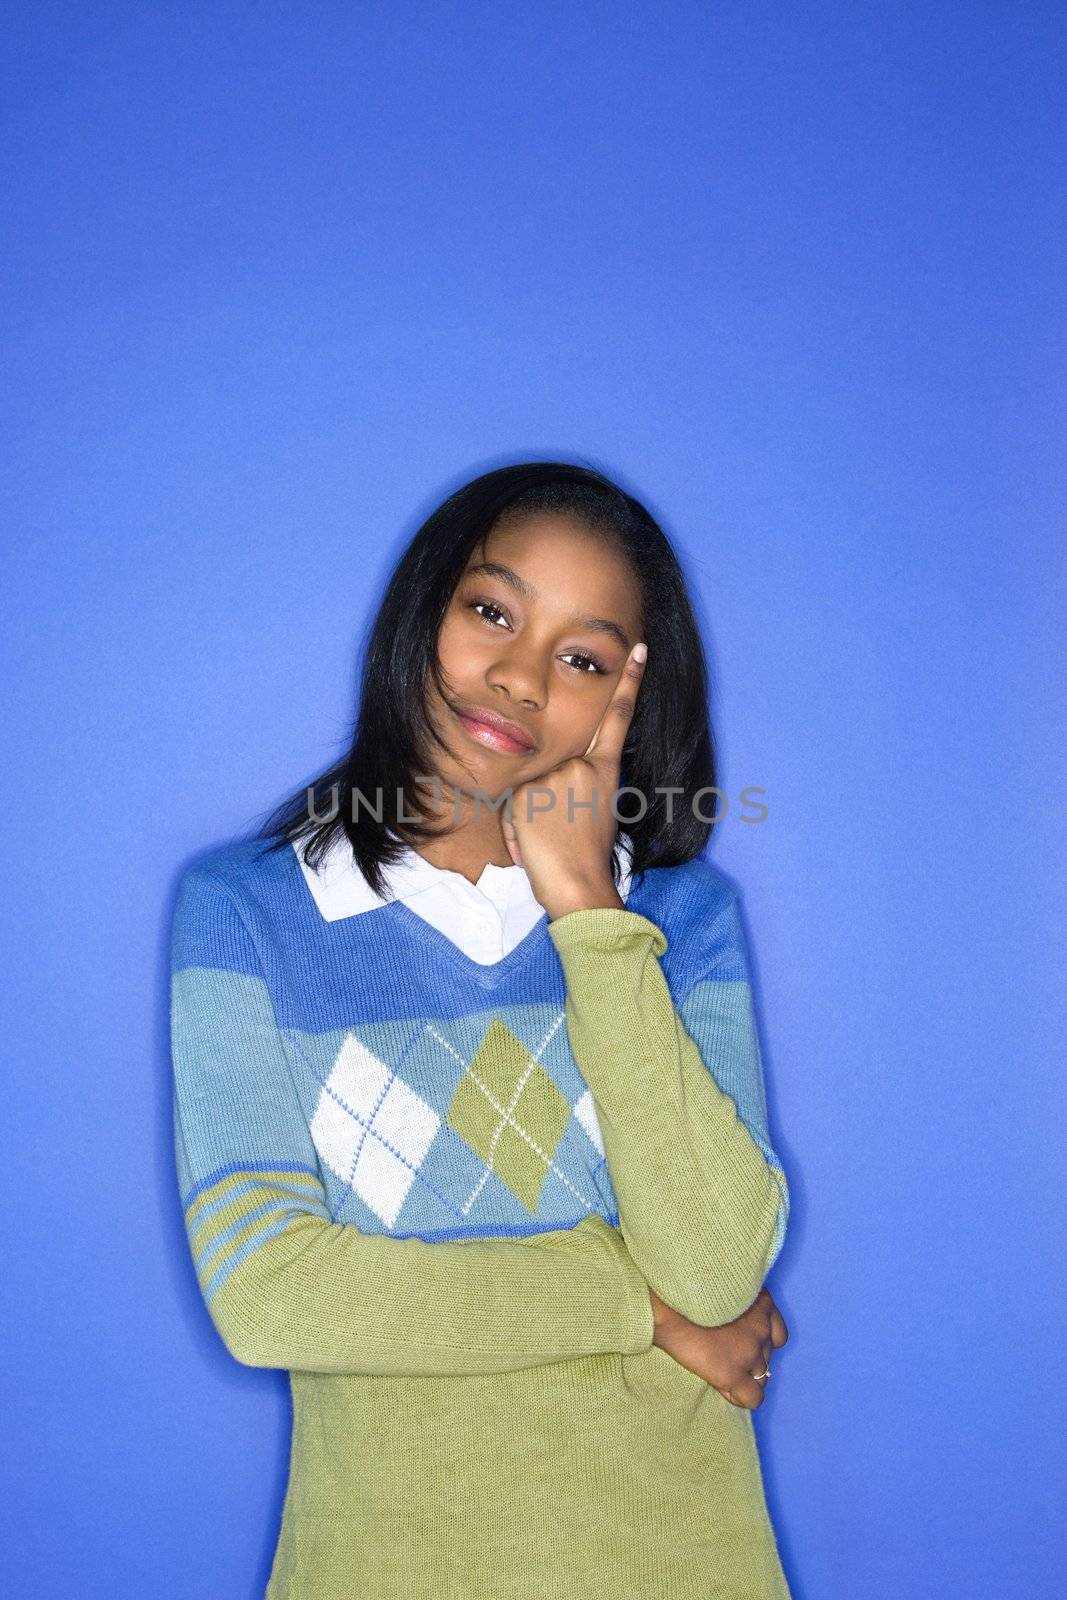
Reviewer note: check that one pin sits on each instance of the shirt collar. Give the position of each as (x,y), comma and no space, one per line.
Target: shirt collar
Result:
(340,889)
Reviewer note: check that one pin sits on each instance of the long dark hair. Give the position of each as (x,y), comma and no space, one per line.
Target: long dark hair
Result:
(669,745)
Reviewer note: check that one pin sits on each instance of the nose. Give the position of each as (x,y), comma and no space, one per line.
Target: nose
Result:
(522,675)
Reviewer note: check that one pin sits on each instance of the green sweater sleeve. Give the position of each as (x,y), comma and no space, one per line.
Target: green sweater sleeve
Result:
(680,1099)
(287,1287)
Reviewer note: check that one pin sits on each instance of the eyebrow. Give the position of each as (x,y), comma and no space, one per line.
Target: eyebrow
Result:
(496,569)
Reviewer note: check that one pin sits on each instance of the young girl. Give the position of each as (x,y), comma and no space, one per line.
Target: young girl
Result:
(470,1124)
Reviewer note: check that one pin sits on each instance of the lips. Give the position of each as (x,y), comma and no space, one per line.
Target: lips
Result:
(493,731)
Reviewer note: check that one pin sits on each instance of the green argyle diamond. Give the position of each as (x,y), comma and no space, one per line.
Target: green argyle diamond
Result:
(519,1149)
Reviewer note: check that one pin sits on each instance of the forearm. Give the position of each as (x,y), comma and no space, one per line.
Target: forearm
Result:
(700,1207)
(288,1288)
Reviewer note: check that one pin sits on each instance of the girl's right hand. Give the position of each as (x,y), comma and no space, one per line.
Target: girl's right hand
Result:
(726,1356)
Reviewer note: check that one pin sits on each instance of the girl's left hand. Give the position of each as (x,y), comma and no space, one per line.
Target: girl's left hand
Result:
(728,1357)
(565,839)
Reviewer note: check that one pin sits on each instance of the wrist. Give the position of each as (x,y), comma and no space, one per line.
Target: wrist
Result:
(661,1314)
(593,896)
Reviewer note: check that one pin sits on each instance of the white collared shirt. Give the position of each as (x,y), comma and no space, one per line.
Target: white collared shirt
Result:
(486,920)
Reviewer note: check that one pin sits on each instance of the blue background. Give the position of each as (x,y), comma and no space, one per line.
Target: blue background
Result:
(276,279)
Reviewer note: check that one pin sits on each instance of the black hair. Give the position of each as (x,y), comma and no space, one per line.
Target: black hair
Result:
(669,744)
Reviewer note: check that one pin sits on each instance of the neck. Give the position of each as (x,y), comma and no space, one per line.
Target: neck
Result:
(470,843)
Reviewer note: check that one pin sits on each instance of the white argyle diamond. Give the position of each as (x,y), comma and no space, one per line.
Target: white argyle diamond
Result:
(585,1111)
(391,1147)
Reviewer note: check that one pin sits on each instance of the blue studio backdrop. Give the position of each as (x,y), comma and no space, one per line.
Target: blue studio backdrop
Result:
(276,279)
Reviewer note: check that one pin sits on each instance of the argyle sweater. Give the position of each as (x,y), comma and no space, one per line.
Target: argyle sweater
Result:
(436,1193)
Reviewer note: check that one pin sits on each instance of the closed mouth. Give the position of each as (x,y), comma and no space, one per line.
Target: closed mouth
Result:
(481,717)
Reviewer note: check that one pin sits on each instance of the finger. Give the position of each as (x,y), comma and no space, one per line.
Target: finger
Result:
(511,839)
(733,1397)
(611,730)
(748,1394)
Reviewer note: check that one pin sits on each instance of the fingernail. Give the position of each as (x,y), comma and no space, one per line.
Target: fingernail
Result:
(640,652)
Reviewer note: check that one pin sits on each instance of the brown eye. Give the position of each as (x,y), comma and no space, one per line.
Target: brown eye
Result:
(595,665)
(489,605)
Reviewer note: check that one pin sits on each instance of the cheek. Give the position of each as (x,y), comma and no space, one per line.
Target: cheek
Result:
(465,651)
(449,633)
(453,651)
(573,725)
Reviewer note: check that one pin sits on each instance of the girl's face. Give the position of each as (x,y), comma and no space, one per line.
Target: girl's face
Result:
(538,632)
